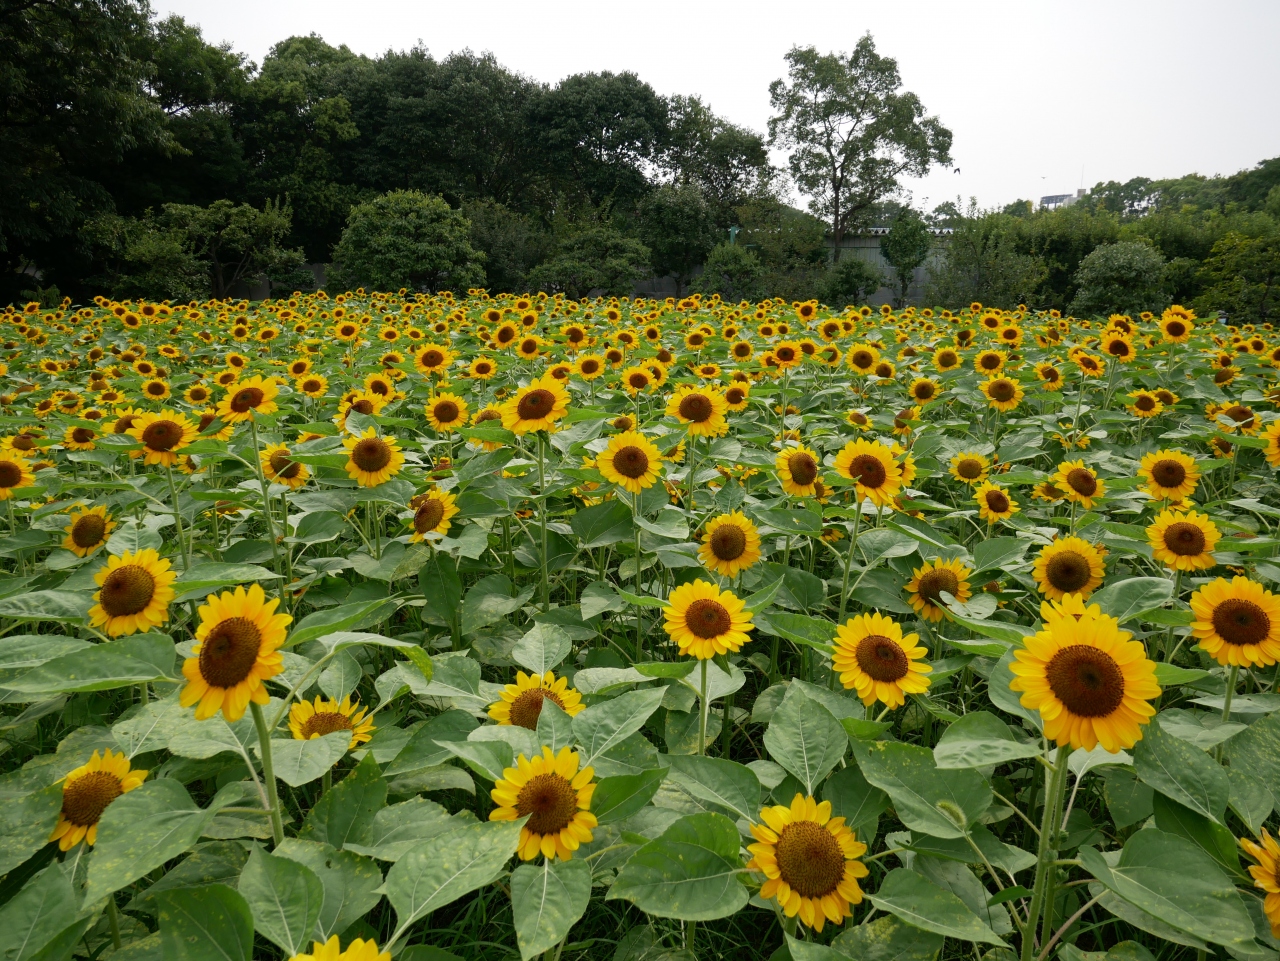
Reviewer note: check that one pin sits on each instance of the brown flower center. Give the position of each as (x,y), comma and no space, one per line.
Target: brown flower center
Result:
(428,516)
(536,404)
(325,722)
(590,365)
(1145,403)
(371,454)
(127,590)
(1168,473)
(432,358)
(485,415)
(24,442)
(1184,538)
(446,411)
(623,423)
(527,707)
(82,435)
(862,359)
(786,354)
(707,618)
(162,435)
(10,474)
(380,387)
(810,859)
(1086,680)
(1118,348)
(1239,414)
(881,658)
(696,408)
(631,462)
(923,390)
(997,502)
(728,542)
(1068,571)
(1002,391)
(990,362)
(934,582)
(803,467)
(85,798)
(1175,328)
(310,385)
(868,471)
(283,466)
(198,394)
(549,800)
(206,420)
(229,652)
(363,406)
(947,358)
(1082,481)
(970,468)
(735,395)
(1240,622)
(247,399)
(88,530)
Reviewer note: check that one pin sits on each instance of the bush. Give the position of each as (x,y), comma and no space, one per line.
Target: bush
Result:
(408,239)
(733,272)
(1242,275)
(850,281)
(598,259)
(1123,278)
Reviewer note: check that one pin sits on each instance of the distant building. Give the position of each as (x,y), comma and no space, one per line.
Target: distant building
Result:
(1054,201)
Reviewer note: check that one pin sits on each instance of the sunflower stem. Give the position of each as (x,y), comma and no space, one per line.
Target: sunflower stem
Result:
(268,773)
(848,563)
(177,520)
(702,711)
(266,503)
(1055,788)
(1232,678)
(639,610)
(113,916)
(542,521)
(326,782)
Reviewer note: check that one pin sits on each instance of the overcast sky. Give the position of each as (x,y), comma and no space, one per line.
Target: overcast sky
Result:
(1043,97)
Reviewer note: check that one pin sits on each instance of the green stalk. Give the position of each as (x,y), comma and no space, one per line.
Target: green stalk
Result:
(639,610)
(542,521)
(702,712)
(268,773)
(1055,788)
(177,519)
(848,563)
(266,504)
(1232,678)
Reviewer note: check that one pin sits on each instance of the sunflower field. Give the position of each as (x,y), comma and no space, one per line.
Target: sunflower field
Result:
(429,627)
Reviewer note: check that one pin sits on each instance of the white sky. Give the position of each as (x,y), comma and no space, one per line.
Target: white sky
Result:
(1042,97)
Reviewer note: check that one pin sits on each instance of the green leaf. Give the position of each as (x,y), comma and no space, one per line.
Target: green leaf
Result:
(798,628)
(490,600)
(203,579)
(487,758)
(1175,882)
(603,726)
(1213,839)
(546,901)
(617,798)
(599,597)
(38,914)
(439,871)
(441,587)
(996,630)
(805,739)
(1002,696)
(26,823)
(999,553)
(205,924)
(1182,772)
(722,782)
(921,903)
(641,600)
(341,640)
(67,606)
(762,598)
(1257,751)
(341,676)
(555,727)
(879,543)
(942,804)
(980,739)
(150,727)
(318,527)
(888,939)
(346,811)
(351,883)
(602,524)
(399,828)
(1250,799)
(1127,599)
(346,617)
(542,648)
(855,799)
(132,536)
(301,762)
(284,897)
(422,751)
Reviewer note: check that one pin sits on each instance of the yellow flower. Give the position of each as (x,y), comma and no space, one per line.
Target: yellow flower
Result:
(372,460)
(1183,542)
(313,385)
(730,544)
(134,594)
(809,860)
(1266,875)
(87,792)
(1070,565)
(1079,484)
(278,467)
(236,650)
(1089,680)
(926,587)
(798,469)
(704,621)
(876,660)
(876,474)
(89,529)
(432,512)
(1237,622)
(1170,474)
(257,395)
(312,719)
(1003,393)
(701,409)
(556,798)
(79,438)
(631,461)
(1272,437)
(432,360)
(162,436)
(536,407)
(15,473)
(357,950)
(969,468)
(994,502)
(447,412)
(1145,404)
(520,704)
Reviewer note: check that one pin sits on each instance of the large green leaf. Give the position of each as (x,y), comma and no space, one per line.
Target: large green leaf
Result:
(347,617)
(855,799)
(347,810)
(888,939)
(422,751)
(542,648)
(37,915)
(284,897)
(26,823)
(617,798)
(439,871)
(919,902)
(945,804)
(603,726)
(980,739)
(806,739)
(725,783)
(1257,751)
(1212,838)
(489,600)
(205,924)
(203,579)
(301,762)
(102,667)
(351,883)
(605,523)
(399,828)
(1175,882)
(1182,772)
(1125,600)
(546,901)
(67,606)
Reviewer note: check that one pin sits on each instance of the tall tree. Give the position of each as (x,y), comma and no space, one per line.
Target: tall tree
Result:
(729,163)
(852,131)
(905,247)
(677,225)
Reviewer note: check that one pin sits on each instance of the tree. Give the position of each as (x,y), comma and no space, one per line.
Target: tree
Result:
(235,242)
(852,131)
(905,247)
(733,272)
(850,281)
(1120,278)
(1242,276)
(406,238)
(983,261)
(677,225)
(144,258)
(727,162)
(597,259)
(511,243)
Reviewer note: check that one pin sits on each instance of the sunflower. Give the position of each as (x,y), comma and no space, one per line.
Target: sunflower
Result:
(134,594)
(447,412)
(589,366)
(520,704)
(15,473)
(432,513)
(1183,542)
(930,581)
(313,385)
(631,461)
(235,651)
(536,407)
(279,468)
(1079,484)
(1272,436)
(312,719)
(1003,393)
(809,860)
(730,544)
(1170,474)
(1176,330)
(876,660)
(1049,376)
(1237,622)
(197,395)
(862,358)
(87,792)
(737,395)
(1089,680)
(923,390)
(876,474)
(969,467)
(1070,565)
(989,361)
(554,795)
(331,950)
(432,360)
(482,368)
(701,409)
(1266,875)
(798,469)
(994,502)
(162,435)
(705,621)
(1145,404)
(372,460)
(89,529)
(257,395)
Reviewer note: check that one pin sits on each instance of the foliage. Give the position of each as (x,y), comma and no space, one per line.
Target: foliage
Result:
(1120,278)
(1241,275)
(850,281)
(598,258)
(732,271)
(982,262)
(676,224)
(905,247)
